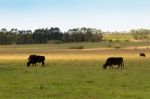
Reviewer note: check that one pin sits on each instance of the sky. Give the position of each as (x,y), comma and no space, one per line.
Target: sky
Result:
(107,15)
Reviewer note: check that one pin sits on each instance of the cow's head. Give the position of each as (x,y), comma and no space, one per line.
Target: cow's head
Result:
(104,66)
(28,64)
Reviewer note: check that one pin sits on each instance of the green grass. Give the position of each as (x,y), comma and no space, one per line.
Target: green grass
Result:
(102,44)
(73,74)
(74,79)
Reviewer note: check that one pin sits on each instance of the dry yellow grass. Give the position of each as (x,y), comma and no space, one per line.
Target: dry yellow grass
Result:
(70,54)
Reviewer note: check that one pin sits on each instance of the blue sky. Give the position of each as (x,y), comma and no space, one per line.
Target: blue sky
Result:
(107,15)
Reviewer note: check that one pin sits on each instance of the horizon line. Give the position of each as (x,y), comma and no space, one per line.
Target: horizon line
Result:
(64,30)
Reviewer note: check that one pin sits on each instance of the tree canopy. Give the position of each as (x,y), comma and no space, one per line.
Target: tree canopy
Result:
(41,36)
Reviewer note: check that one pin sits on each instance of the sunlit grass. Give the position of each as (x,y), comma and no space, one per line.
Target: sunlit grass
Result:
(50,57)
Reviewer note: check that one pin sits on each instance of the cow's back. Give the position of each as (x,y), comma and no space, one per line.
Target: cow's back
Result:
(142,54)
(114,60)
(35,58)
(40,58)
(32,57)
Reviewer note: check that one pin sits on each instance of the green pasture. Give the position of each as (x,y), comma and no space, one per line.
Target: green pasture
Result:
(73,74)
(101,44)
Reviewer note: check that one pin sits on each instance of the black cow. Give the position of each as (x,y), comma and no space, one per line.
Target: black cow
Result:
(142,55)
(114,61)
(33,59)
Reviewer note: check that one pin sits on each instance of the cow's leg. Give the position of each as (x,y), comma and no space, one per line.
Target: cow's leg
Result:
(111,66)
(121,65)
(118,66)
(28,64)
(34,64)
(43,63)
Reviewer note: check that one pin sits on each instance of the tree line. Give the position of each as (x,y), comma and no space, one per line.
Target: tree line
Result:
(42,36)
(140,34)
(134,34)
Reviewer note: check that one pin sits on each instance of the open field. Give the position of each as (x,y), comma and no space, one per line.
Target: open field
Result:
(73,74)
(101,44)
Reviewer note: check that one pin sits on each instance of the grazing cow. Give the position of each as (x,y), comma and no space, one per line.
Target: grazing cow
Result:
(114,61)
(33,59)
(142,55)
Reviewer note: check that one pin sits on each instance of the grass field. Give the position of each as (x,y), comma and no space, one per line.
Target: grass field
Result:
(73,73)
(102,44)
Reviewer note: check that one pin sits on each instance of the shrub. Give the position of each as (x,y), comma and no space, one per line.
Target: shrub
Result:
(127,40)
(118,46)
(54,42)
(110,40)
(117,40)
(76,47)
(109,46)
